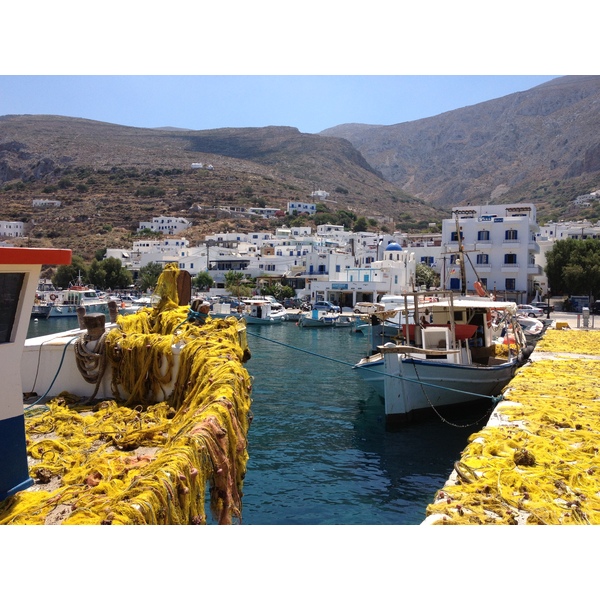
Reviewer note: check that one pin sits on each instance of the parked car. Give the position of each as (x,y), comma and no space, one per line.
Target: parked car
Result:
(366,308)
(595,308)
(543,306)
(326,306)
(529,310)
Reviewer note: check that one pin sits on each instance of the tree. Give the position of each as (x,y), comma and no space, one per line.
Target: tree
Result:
(573,267)
(425,275)
(203,280)
(281,292)
(67,274)
(117,276)
(148,276)
(360,225)
(237,284)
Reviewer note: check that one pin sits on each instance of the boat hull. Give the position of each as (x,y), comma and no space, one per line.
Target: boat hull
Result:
(57,311)
(415,387)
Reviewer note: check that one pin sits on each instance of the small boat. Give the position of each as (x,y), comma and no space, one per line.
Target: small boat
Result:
(533,328)
(66,302)
(450,359)
(316,318)
(254,312)
(346,321)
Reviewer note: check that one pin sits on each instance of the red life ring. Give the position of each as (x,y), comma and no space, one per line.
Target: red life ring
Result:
(479,288)
(53,297)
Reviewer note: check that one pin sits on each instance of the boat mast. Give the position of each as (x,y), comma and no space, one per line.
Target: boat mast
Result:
(461,256)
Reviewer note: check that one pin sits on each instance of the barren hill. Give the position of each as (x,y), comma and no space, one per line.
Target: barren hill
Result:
(110,177)
(505,150)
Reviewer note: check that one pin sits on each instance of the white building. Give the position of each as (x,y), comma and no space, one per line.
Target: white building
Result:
(12,229)
(500,249)
(167,225)
(346,285)
(320,194)
(45,202)
(301,207)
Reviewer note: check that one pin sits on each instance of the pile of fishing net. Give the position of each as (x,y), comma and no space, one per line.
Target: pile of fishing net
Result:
(541,463)
(165,443)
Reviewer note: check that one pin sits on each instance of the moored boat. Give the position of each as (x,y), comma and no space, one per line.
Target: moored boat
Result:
(317,318)
(65,302)
(451,358)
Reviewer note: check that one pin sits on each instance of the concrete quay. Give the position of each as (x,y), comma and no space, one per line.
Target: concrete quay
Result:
(537,460)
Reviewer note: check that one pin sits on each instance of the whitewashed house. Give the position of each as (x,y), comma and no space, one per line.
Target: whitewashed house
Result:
(12,229)
(309,208)
(500,247)
(166,225)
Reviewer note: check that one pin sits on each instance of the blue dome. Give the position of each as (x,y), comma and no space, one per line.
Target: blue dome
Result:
(393,246)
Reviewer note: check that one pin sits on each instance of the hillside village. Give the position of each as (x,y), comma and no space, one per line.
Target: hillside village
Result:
(504,247)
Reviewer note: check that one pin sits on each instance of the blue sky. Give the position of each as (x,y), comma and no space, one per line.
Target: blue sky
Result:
(310,103)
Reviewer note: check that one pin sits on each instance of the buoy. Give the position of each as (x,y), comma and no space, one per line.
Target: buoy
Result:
(479,288)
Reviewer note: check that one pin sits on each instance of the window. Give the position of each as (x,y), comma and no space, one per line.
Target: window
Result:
(483,236)
(483,259)
(454,236)
(453,258)
(510,284)
(337,268)
(510,259)
(510,234)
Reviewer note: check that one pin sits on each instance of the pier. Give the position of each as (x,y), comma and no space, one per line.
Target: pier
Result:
(537,461)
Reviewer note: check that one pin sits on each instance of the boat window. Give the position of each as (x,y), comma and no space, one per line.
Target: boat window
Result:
(10,284)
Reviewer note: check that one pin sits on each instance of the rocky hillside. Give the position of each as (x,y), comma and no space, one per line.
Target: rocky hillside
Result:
(541,145)
(110,177)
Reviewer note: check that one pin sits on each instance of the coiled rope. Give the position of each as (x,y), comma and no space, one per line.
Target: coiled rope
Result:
(170,437)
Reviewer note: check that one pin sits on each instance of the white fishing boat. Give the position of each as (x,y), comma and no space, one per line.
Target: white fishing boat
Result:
(65,302)
(447,357)
(254,311)
(317,318)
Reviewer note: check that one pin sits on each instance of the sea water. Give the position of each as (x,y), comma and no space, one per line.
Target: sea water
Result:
(319,450)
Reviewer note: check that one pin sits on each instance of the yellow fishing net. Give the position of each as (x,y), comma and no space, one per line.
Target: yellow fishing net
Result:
(174,433)
(541,464)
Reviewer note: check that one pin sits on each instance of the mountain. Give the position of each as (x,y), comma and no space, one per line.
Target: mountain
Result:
(110,177)
(541,146)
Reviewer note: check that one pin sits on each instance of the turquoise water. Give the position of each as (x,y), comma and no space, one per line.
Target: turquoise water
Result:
(319,451)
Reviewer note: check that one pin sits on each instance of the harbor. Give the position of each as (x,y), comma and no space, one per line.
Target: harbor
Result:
(146,420)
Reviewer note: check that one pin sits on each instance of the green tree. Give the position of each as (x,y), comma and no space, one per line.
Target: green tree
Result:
(117,276)
(281,292)
(203,281)
(573,267)
(237,284)
(67,274)
(360,225)
(425,275)
(148,276)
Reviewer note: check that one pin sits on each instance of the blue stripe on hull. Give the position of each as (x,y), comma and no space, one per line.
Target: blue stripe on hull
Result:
(14,475)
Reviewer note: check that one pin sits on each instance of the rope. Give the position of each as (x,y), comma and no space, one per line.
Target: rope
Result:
(45,394)
(91,364)
(157,457)
(434,385)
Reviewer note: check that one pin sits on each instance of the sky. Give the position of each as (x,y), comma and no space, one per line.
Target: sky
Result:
(312,65)
(309,103)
